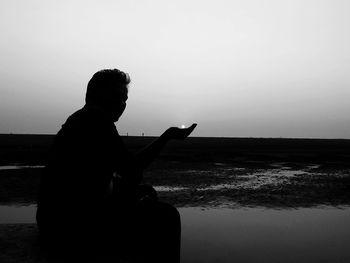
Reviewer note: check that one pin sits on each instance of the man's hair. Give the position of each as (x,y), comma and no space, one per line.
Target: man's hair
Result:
(105,83)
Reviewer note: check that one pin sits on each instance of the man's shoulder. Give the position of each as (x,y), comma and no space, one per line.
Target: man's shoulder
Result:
(88,115)
(83,114)
(87,126)
(87,121)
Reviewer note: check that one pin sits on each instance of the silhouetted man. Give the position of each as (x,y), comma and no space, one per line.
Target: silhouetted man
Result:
(90,197)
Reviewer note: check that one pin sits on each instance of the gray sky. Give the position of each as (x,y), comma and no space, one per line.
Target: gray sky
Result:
(271,68)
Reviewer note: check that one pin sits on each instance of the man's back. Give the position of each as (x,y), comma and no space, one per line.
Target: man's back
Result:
(75,184)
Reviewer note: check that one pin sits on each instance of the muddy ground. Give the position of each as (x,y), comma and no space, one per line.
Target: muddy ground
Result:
(218,184)
(205,172)
(281,173)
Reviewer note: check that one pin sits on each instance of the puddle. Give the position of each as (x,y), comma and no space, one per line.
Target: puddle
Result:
(256,179)
(196,172)
(15,167)
(232,169)
(17,214)
(249,234)
(169,188)
(220,164)
(260,235)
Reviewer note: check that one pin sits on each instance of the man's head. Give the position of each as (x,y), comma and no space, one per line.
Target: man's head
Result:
(108,90)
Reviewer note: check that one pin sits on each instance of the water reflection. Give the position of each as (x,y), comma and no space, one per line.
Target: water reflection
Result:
(15,167)
(164,188)
(249,180)
(257,179)
(17,214)
(258,235)
(250,234)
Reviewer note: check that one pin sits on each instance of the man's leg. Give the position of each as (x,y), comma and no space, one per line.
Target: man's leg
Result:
(146,227)
(159,231)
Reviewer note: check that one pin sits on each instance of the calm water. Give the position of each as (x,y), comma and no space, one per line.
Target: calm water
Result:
(250,234)
(17,214)
(15,167)
(258,235)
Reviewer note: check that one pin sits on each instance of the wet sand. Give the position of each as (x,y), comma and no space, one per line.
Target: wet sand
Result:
(280,187)
(228,235)
(283,173)
(218,184)
(213,178)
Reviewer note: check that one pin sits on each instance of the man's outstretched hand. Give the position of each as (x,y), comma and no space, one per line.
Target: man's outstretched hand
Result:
(179,133)
(147,155)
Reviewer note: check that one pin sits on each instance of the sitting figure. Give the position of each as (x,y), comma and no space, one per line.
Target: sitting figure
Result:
(90,196)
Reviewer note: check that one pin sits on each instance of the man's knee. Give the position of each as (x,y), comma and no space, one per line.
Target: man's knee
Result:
(168,213)
(172,211)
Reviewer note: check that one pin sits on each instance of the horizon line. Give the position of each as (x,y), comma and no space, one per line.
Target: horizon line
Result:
(218,137)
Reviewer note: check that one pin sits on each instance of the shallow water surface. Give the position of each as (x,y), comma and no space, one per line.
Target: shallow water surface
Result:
(250,234)
(161,188)
(16,167)
(260,235)
(17,214)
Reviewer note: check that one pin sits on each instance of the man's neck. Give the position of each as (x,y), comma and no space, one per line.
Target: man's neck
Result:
(100,110)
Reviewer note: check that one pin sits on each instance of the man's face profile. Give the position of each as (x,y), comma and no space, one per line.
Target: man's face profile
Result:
(108,90)
(116,103)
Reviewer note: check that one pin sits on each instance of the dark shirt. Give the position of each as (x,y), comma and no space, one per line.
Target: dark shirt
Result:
(75,185)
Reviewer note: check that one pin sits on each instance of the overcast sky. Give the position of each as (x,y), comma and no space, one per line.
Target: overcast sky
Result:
(249,68)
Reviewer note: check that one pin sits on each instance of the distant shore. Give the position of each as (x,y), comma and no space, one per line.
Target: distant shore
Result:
(32,149)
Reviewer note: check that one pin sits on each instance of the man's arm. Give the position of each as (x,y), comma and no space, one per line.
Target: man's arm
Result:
(148,154)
